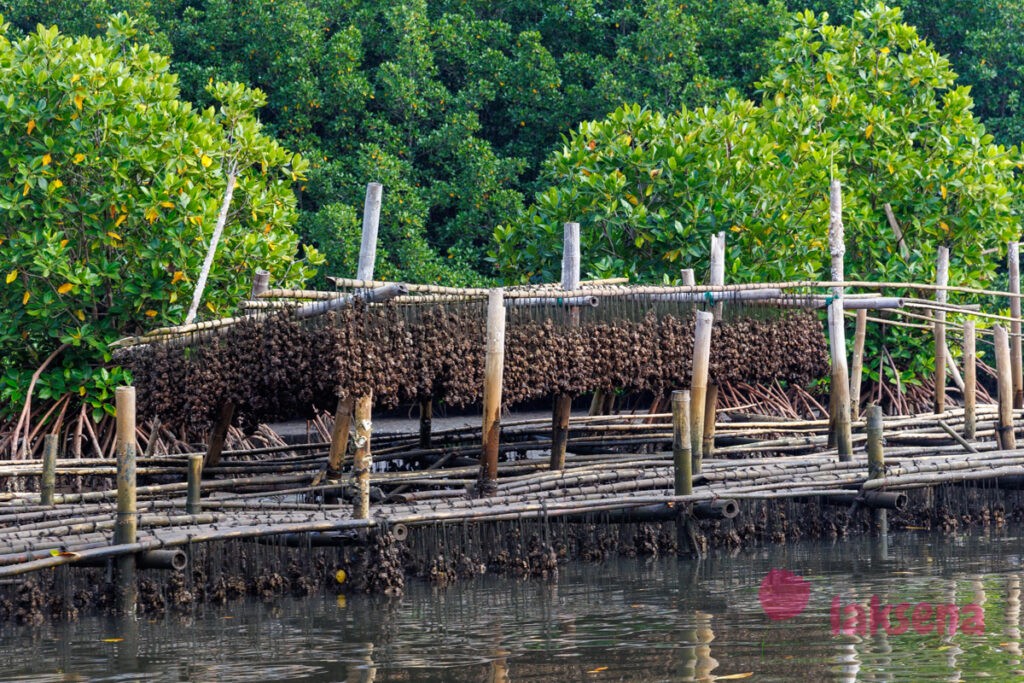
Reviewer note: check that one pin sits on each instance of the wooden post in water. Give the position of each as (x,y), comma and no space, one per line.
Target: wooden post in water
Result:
(260,283)
(339,436)
(563,402)
(839,403)
(193,504)
(857,367)
(701,361)
(494,367)
(941,295)
(1004,428)
(371,220)
(127,517)
(362,460)
(219,434)
(426,421)
(876,462)
(682,453)
(710,414)
(48,480)
(1015,342)
(970,379)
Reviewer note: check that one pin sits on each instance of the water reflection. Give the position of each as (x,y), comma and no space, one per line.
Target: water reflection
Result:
(621,620)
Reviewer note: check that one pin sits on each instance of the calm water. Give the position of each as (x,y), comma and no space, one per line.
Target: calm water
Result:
(630,620)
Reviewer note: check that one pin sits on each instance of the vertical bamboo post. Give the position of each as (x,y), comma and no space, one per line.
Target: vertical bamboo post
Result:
(426,421)
(941,295)
(219,434)
(1004,430)
(687,277)
(127,518)
(970,379)
(876,461)
(371,220)
(701,361)
(260,283)
(839,403)
(1015,341)
(193,504)
(717,271)
(339,436)
(710,414)
(48,481)
(857,367)
(494,367)
(682,453)
(363,458)
(563,402)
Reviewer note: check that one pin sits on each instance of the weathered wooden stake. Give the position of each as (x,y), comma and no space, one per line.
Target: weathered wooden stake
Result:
(970,379)
(426,421)
(563,403)
(494,367)
(840,403)
(687,276)
(857,367)
(371,219)
(710,414)
(362,460)
(127,516)
(339,436)
(941,295)
(699,384)
(1004,430)
(876,462)
(48,481)
(682,453)
(1015,341)
(193,504)
(717,271)
(596,403)
(219,434)
(260,283)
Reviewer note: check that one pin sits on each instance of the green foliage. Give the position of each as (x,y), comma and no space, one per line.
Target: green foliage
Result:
(870,103)
(113,186)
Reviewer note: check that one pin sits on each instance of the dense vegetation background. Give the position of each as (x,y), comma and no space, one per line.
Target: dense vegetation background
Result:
(654,123)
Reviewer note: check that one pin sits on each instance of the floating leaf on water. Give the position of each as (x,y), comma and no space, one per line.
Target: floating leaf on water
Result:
(598,670)
(340,576)
(734,677)
(113,640)
(342,602)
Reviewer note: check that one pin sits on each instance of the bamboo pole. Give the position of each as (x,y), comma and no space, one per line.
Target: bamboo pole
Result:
(1013,264)
(219,434)
(48,481)
(339,436)
(876,462)
(1004,430)
(260,283)
(362,460)
(687,277)
(426,421)
(970,379)
(857,368)
(563,402)
(127,514)
(193,506)
(699,384)
(897,232)
(494,365)
(840,403)
(710,413)
(682,452)
(717,270)
(941,280)
(371,220)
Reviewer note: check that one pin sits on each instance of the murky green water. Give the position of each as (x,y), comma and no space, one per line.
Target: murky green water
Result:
(627,620)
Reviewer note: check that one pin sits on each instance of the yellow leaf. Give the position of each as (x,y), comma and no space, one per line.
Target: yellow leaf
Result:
(81,316)
(167,205)
(173,297)
(75,78)
(47,159)
(151,313)
(891,170)
(56,184)
(734,677)
(113,235)
(24,299)
(81,391)
(340,576)
(78,102)
(869,130)
(113,640)
(64,288)
(210,306)
(942,191)
(31,126)
(11,276)
(120,219)
(79,158)
(25,191)
(944,226)
(152,214)
(884,50)
(828,77)
(63,243)
(598,670)
(632,199)
(178,276)
(205,161)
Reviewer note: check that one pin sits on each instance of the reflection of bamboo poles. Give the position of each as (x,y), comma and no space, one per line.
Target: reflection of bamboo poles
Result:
(704,663)
(1011,629)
